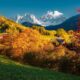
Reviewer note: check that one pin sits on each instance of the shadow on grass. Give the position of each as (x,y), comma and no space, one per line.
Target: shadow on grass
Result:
(10,70)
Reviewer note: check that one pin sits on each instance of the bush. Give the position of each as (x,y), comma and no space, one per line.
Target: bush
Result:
(65,65)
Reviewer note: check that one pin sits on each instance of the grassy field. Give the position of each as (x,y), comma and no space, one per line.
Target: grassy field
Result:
(10,70)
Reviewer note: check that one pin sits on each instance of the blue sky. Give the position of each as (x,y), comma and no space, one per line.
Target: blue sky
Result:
(38,7)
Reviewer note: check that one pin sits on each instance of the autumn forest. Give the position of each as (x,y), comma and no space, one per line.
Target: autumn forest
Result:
(57,50)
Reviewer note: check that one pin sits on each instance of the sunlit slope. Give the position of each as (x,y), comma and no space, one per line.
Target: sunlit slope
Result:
(9,25)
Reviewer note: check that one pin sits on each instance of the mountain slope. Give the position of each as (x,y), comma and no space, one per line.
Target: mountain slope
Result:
(11,70)
(9,25)
(69,24)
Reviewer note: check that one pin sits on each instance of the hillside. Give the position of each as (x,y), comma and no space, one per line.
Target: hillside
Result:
(68,24)
(11,70)
(7,25)
(40,47)
(20,39)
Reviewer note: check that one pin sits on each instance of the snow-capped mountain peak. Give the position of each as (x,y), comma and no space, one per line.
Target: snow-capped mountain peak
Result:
(53,18)
(18,17)
(27,18)
(57,14)
(50,18)
(35,20)
(51,14)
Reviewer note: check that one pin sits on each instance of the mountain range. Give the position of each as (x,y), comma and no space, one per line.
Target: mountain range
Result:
(50,18)
(51,21)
